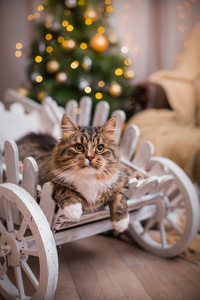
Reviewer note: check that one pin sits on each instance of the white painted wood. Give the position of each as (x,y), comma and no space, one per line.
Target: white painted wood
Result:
(101,113)
(129,142)
(143,154)
(12,162)
(121,118)
(70,109)
(30,176)
(11,96)
(85,111)
(56,110)
(44,242)
(17,108)
(47,204)
(1,166)
(189,207)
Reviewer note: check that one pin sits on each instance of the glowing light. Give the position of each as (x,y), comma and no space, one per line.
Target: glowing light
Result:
(61,39)
(83,46)
(88,89)
(118,72)
(88,21)
(180,7)
(38,59)
(71,44)
(74,64)
(108,2)
(101,29)
(39,78)
(101,83)
(128,61)
(78,111)
(70,28)
(109,8)
(98,95)
(36,15)
(48,36)
(186,43)
(81,2)
(187,4)
(49,49)
(65,23)
(179,56)
(18,53)
(30,17)
(19,46)
(67,12)
(124,49)
(40,7)
(65,43)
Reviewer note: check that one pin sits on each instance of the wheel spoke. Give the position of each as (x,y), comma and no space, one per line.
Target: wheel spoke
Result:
(2,227)
(3,269)
(173,224)
(150,223)
(31,252)
(163,234)
(22,230)
(30,274)
(9,219)
(19,280)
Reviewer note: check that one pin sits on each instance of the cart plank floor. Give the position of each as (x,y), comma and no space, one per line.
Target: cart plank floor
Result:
(102,267)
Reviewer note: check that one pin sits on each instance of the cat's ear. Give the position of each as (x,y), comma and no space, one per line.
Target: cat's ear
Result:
(67,126)
(109,127)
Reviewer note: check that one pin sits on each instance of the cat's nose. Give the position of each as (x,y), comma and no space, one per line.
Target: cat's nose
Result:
(90,158)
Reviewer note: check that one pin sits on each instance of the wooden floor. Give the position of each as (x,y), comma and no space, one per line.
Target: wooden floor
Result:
(102,267)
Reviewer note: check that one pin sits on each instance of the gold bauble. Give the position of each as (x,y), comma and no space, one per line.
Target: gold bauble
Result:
(99,43)
(22,90)
(41,95)
(52,66)
(115,89)
(91,13)
(129,74)
(61,77)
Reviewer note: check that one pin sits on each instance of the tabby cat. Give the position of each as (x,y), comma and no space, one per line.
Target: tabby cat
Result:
(84,168)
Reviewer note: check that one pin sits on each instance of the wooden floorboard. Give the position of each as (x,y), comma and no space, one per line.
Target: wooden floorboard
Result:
(102,267)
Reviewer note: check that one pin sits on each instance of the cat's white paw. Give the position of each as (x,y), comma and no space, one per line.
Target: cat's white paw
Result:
(121,225)
(73,211)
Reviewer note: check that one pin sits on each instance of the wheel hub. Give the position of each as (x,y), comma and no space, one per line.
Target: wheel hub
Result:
(11,248)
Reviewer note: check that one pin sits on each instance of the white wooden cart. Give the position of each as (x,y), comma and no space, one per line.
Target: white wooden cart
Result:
(31,228)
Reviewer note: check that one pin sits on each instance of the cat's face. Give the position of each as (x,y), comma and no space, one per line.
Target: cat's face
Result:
(86,151)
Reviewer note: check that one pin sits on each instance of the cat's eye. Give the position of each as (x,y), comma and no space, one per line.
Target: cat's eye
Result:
(79,147)
(99,148)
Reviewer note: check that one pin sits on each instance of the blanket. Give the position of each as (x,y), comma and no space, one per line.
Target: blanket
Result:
(176,133)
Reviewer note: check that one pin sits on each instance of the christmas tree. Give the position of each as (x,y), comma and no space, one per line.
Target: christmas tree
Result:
(75,53)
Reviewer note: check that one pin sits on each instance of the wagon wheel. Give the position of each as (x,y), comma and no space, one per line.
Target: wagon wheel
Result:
(170,232)
(28,262)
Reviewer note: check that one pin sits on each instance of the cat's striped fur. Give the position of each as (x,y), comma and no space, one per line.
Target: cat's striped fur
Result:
(86,172)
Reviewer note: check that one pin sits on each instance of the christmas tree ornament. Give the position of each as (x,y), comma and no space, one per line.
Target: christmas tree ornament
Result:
(52,66)
(99,43)
(87,63)
(83,83)
(91,14)
(61,77)
(71,3)
(42,47)
(22,91)
(129,74)
(41,95)
(115,89)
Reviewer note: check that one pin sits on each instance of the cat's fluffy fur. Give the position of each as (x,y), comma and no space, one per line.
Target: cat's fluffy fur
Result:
(86,172)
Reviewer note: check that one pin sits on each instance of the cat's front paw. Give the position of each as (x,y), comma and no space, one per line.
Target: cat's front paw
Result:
(121,225)
(73,211)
